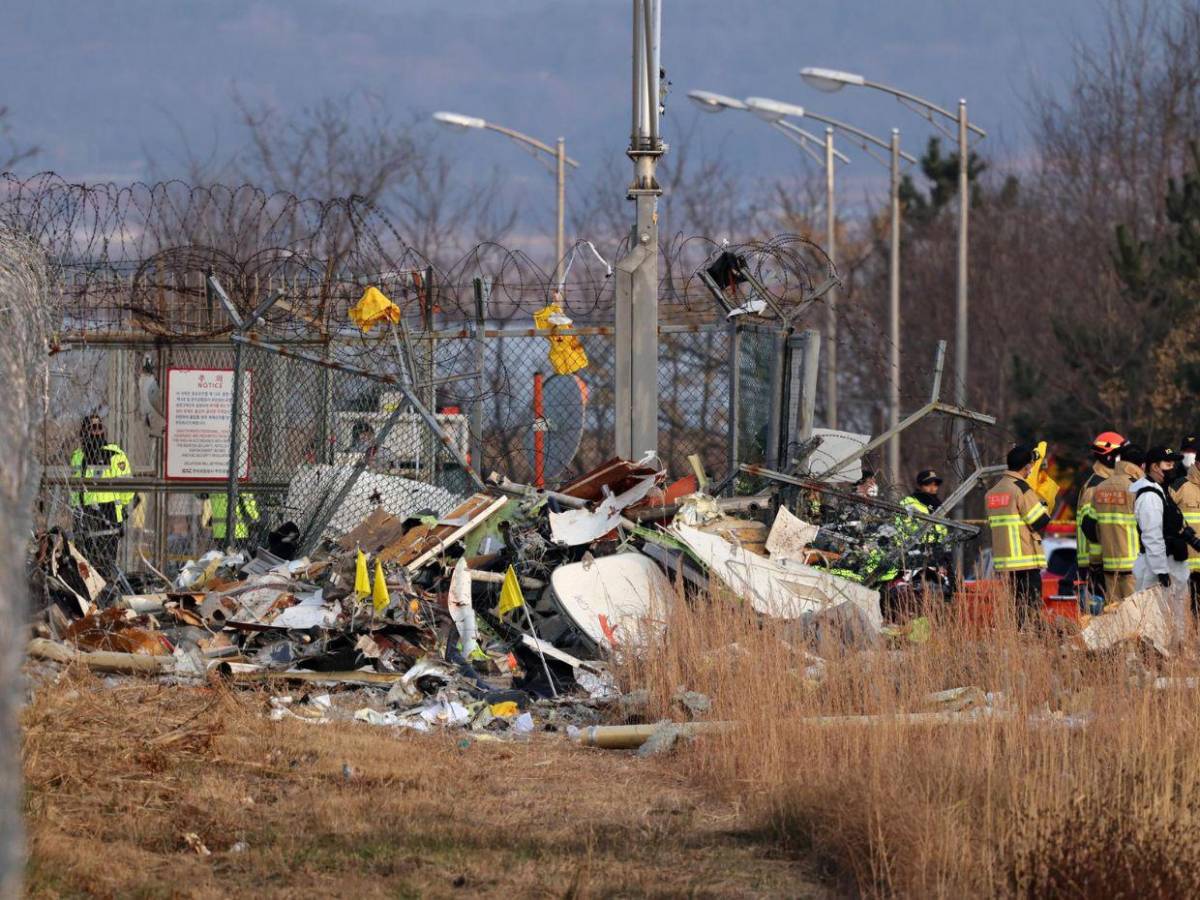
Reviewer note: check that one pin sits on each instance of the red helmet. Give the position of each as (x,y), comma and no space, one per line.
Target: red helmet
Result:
(1106,442)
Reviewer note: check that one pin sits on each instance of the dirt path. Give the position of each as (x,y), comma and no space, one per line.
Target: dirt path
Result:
(118,777)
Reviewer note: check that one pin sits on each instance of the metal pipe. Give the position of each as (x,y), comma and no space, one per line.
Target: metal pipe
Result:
(153,485)
(920,101)
(831,327)
(894,312)
(482,291)
(539,433)
(640,130)
(523,138)
(650,85)
(561,195)
(960,313)
(235,444)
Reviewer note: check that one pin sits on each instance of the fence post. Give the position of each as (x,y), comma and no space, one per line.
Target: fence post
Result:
(428,391)
(235,445)
(735,394)
(482,291)
(779,372)
(804,353)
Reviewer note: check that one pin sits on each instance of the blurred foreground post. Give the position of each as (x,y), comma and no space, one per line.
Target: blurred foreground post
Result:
(24,367)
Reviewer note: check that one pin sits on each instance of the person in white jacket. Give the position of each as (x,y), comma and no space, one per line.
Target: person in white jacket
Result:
(1161,526)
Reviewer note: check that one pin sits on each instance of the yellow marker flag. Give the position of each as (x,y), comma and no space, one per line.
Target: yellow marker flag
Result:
(362,584)
(566,352)
(379,593)
(510,593)
(372,308)
(1040,480)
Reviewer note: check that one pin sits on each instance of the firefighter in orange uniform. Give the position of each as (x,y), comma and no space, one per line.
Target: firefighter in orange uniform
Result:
(1117,526)
(1106,449)
(1017,517)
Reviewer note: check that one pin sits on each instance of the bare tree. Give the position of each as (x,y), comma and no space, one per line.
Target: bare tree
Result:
(12,153)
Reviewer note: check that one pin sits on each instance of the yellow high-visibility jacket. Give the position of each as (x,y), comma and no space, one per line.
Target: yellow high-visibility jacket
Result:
(118,467)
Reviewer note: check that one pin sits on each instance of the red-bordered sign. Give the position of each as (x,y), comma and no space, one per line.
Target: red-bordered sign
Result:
(199,413)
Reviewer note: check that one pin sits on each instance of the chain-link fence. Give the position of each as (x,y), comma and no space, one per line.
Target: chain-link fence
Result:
(152,282)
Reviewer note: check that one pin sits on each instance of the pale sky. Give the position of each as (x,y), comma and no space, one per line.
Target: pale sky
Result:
(102,85)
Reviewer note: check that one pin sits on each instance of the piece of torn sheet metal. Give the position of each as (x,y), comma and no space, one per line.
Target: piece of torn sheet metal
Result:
(582,526)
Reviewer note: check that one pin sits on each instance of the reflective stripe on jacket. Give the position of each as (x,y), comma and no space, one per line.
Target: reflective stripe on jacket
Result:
(1119,543)
(1086,551)
(1013,508)
(118,467)
(936,533)
(247,509)
(1187,495)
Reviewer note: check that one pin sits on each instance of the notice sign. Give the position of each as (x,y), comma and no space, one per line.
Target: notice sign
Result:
(199,413)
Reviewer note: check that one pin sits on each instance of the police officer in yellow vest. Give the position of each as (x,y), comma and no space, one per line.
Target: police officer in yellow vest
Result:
(924,500)
(246,513)
(1017,517)
(99,515)
(1116,525)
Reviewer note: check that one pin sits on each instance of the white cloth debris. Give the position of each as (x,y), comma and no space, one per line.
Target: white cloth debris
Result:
(461,610)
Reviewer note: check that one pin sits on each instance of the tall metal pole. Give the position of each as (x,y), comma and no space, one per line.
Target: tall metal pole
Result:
(960,316)
(559,234)
(894,313)
(960,313)
(636,349)
(831,326)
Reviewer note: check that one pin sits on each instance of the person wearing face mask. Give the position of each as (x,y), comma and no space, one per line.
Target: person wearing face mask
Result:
(1186,493)
(1116,526)
(1017,517)
(1106,450)
(1165,536)
(1187,449)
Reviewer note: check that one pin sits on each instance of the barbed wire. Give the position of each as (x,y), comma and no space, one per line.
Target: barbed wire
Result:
(134,258)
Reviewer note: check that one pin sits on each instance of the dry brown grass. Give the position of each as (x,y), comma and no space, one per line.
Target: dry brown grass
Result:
(116,776)
(1014,806)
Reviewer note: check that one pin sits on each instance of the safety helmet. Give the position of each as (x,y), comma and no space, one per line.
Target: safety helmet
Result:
(1107,442)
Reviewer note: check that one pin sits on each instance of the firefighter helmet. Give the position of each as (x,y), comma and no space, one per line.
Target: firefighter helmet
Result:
(1107,442)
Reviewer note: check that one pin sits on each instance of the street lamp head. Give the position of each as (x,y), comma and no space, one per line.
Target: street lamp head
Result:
(455,120)
(714,103)
(773,110)
(830,79)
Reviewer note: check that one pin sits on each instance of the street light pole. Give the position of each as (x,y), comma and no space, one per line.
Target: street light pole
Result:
(558,153)
(960,313)
(831,316)
(835,80)
(774,112)
(894,312)
(560,230)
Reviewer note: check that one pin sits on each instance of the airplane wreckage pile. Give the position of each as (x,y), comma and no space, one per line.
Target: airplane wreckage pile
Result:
(505,612)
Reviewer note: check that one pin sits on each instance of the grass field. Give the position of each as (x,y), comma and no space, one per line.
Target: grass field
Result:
(1082,779)
(118,776)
